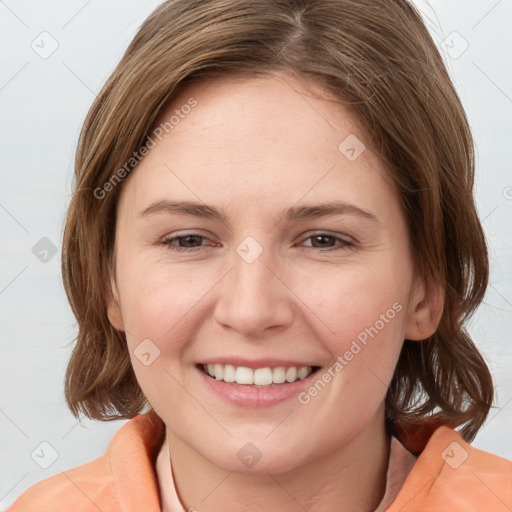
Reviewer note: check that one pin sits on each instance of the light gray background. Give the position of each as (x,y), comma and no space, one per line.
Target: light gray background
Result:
(43,103)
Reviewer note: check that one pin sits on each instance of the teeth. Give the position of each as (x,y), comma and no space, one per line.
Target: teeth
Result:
(219,371)
(244,375)
(263,376)
(278,375)
(302,373)
(291,374)
(229,373)
(258,377)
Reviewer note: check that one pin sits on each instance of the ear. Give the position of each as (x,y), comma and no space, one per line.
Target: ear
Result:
(425,309)
(113,307)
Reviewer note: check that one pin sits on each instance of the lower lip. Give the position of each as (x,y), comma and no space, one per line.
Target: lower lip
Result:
(249,396)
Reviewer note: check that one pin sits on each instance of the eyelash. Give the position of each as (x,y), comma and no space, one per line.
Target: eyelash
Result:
(345,243)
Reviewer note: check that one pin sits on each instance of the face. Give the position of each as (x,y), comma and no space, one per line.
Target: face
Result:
(261,242)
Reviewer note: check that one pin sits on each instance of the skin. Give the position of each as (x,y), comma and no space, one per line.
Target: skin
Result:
(254,147)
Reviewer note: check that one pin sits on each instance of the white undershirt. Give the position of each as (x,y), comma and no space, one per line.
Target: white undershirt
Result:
(400,464)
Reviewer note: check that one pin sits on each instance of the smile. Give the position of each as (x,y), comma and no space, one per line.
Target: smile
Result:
(261,377)
(253,383)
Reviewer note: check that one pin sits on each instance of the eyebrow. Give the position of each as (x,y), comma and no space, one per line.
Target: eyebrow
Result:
(294,213)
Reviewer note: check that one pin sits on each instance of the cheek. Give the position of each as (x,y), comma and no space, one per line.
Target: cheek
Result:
(158,301)
(159,307)
(349,301)
(360,318)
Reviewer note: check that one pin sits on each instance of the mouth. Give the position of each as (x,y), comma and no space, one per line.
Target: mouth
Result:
(264,377)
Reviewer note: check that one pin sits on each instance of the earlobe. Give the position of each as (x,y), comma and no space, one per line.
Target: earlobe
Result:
(426,309)
(113,307)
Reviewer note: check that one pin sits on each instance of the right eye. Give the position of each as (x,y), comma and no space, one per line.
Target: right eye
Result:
(185,243)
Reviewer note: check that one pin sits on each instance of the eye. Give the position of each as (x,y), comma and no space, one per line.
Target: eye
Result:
(184,243)
(189,242)
(327,242)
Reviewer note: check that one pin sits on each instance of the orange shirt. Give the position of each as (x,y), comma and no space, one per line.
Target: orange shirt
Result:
(449,475)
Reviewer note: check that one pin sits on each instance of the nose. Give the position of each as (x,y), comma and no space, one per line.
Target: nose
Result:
(254,298)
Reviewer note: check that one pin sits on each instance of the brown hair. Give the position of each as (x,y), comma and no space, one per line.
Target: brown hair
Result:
(375,56)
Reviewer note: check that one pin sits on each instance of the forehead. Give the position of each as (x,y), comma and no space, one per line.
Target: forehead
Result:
(258,139)
(269,103)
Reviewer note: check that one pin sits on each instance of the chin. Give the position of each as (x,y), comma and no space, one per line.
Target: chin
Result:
(259,457)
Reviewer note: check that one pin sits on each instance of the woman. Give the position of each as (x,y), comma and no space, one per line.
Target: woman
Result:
(273,244)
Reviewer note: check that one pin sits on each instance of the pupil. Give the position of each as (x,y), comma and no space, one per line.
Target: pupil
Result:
(321,238)
(187,239)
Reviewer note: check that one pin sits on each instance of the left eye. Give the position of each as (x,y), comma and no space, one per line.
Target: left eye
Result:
(185,242)
(191,241)
(322,237)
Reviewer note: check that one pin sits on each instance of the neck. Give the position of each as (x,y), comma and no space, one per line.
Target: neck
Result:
(352,477)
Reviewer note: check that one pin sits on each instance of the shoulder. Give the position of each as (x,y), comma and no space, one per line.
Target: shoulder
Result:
(123,478)
(452,475)
(78,489)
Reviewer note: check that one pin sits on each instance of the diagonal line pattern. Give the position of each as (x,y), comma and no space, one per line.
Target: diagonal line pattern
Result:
(281,422)
(13,13)
(11,489)
(378,378)
(14,218)
(489,214)
(490,490)
(79,79)
(492,81)
(76,14)
(286,491)
(69,431)
(14,76)
(500,409)
(503,297)
(486,14)
(71,480)
(14,423)
(12,280)
(216,487)
(421,489)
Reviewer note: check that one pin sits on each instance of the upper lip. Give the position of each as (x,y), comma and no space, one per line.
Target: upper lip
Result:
(256,363)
